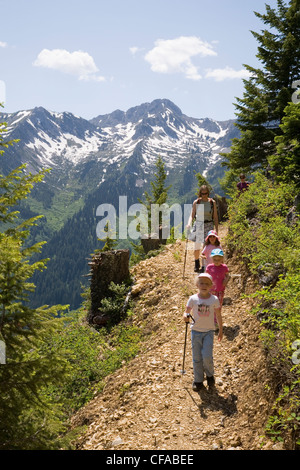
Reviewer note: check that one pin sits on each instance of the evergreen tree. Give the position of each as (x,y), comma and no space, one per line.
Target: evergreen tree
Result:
(158,196)
(285,163)
(268,89)
(109,241)
(159,193)
(30,363)
(202,181)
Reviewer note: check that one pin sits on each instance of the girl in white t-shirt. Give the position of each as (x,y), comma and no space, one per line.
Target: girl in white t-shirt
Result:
(202,307)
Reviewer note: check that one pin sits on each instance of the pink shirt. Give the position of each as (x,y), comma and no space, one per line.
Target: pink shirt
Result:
(218,274)
(207,251)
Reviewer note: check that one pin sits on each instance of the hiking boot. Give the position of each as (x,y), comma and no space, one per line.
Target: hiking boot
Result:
(197,266)
(197,386)
(210,381)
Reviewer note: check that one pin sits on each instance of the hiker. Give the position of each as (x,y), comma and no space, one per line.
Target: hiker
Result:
(202,307)
(209,223)
(212,241)
(219,273)
(243,185)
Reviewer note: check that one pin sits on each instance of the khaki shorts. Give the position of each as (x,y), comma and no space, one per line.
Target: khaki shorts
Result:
(199,243)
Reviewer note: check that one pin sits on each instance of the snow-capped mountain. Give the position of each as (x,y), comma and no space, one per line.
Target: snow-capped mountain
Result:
(160,128)
(49,139)
(94,162)
(63,140)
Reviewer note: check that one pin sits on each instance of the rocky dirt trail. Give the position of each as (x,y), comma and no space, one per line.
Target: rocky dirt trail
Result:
(149,404)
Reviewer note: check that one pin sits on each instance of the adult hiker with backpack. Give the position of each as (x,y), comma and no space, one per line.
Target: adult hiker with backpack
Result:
(202,227)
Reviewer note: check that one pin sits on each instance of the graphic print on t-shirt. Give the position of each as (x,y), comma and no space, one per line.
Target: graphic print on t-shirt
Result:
(203,310)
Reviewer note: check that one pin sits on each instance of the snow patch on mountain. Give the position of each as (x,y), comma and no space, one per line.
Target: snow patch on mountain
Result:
(66,146)
(149,130)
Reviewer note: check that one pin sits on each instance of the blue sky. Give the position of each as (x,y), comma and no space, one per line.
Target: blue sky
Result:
(92,57)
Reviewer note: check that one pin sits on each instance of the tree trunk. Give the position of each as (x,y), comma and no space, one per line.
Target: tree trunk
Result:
(106,267)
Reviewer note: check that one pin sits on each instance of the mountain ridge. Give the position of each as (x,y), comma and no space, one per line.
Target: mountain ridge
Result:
(54,138)
(94,162)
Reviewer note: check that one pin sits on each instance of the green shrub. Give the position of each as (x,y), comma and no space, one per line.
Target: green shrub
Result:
(260,235)
(114,306)
(258,231)
(91,355)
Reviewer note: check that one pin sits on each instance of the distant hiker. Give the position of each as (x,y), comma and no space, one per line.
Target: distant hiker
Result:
(212,241)
(202,227)
(219,273)
(202,308)
(243,185)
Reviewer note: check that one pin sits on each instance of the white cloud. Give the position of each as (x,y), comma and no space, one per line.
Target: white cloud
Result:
(227,73)
(174,55)
(3,44)
(134,50)
(77,63)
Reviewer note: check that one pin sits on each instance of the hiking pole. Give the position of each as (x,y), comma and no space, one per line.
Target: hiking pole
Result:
(186,327)
(185,255)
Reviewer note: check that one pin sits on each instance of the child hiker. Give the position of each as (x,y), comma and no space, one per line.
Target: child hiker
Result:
(202,307)
(211,241)
(219,273)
